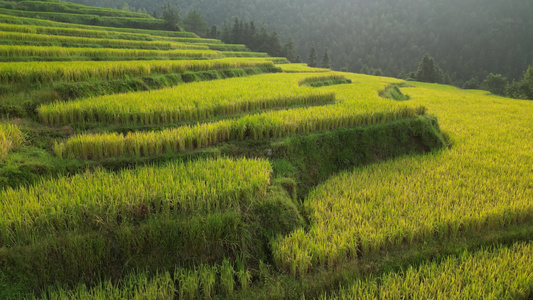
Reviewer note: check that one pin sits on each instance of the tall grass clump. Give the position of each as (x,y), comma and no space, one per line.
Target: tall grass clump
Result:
(201,282)
(10,138)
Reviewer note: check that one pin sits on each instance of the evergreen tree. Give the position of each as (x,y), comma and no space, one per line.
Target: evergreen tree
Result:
(194,22)
(428,71)
(254,43)
(275,45)
(236,32)
(226,33)
(298,59)
(172,16)
(288,51)
(213,32)
(311,60)
(364,69)
(263,40)
(326,63)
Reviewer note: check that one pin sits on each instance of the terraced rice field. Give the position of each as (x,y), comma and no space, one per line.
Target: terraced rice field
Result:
(161,187)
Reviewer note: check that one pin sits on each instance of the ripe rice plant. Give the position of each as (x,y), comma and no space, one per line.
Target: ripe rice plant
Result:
(133,286)
(8,19)
(503,273)
(260,126)
(194,101)
(94,33)
(406,201)
(73,8)
(39,72)
(103,53)
(65,204)
(10,138)
(243,54)
(100,42)
(301,68)
(225,47)
(201,282)
(145,23)
(315,79)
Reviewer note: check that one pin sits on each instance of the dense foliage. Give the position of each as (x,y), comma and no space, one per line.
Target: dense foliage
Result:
(467,38)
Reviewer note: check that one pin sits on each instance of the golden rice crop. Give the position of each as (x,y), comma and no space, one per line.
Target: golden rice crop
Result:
(265,125)
(482,182)
(95,33)
(43,52)
(202,282)
(10,138)
(194,101)
(225,47)
(503,273)
(244,54)
(103,42)
(301,68)
(322,78)
(40,22)
(33,72)
(68,203)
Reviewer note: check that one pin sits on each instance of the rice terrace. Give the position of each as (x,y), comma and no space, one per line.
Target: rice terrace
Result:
(143,163)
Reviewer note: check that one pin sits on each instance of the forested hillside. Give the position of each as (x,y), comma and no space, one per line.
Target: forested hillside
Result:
(467,38)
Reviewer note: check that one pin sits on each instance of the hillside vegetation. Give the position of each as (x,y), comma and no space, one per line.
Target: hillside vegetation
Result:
(468,38)
(152,164)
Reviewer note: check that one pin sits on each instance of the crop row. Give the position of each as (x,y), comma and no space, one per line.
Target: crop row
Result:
(195,101)
(244,54)
(142,23)
(116,43)
(315,79)
(462,190)
(8,19)
(90,33)
(225,47)
(302,68)
(503,273)
(10,138)
(202,282)
(72,203)
(34,72)
(73,8)
(102,53)
(266,125)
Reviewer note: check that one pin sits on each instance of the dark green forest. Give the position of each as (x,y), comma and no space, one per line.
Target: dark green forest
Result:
(467,38)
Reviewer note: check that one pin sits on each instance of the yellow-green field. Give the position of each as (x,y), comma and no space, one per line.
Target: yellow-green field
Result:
(32,72)
(482,182)
(302,183)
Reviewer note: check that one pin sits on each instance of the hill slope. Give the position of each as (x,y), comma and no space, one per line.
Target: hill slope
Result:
(153,164)
(467,38)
